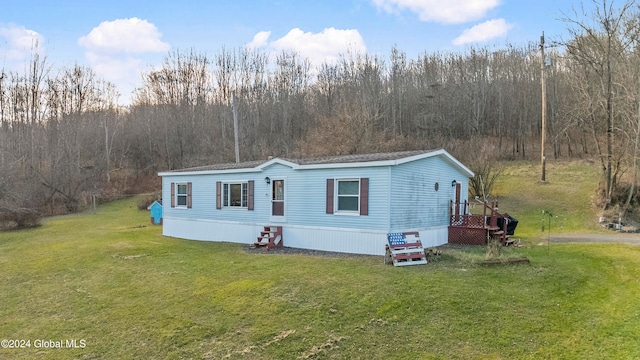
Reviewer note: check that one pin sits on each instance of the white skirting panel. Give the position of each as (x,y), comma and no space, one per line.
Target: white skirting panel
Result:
(210,230)
(354,241)
(434,236)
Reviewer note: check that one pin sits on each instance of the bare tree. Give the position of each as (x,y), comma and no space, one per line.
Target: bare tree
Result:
(599,48)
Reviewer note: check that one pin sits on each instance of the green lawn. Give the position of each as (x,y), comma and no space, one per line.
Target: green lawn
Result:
(113,281)
(568,194)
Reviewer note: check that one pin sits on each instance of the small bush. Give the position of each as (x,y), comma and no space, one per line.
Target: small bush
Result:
(19,219)
(482,157)
(619,196)
(486,174)
(145,200)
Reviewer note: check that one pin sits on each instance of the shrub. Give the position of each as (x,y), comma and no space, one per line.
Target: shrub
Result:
(21,218)
(485,176)
(145,200)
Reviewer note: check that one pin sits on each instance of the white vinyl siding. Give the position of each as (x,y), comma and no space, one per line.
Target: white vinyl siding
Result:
(414,202)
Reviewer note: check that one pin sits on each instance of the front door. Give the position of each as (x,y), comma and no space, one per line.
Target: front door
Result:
(277,200)
(457,204)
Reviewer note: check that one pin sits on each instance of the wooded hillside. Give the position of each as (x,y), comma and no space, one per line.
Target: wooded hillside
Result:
(64,138)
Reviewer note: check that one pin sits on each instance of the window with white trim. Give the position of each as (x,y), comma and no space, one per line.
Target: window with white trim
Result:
(181,194)
(235,195)
(348,195)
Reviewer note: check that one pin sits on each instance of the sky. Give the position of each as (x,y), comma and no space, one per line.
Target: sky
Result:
(121,39)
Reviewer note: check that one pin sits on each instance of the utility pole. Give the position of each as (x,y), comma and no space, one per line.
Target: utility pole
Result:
(544,108)
(235,125)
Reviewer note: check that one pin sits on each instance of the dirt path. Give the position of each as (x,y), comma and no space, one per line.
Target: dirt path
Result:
(632,239)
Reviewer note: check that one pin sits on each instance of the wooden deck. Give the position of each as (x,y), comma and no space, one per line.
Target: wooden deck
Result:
(476,229)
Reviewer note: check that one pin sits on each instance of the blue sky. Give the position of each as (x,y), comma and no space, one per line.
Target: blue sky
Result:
(120,39)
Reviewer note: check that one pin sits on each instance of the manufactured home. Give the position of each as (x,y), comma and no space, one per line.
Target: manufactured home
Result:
(343,203)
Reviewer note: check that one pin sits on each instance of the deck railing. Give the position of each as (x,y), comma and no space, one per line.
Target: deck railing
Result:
(473,229)
(469,220)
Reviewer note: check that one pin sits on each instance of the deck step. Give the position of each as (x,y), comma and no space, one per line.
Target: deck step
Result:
(270,237)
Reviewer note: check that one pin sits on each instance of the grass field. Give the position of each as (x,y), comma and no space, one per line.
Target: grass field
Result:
(115,283)
(568,194)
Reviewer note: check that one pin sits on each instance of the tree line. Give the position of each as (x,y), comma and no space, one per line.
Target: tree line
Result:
(64,138)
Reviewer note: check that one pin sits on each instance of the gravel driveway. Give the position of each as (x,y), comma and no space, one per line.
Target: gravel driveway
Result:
(632,239)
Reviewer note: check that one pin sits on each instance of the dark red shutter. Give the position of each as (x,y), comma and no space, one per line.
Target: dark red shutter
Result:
(218,195)
(188,195)
(250,195)
(364,196)
(330,196)
(173,194)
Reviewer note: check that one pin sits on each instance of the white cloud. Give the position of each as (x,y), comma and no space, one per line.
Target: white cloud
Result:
(259,40)
(116,69)
(325,46)
(484,32)
(115,50)
(447,12)
(124,36)
(21,42)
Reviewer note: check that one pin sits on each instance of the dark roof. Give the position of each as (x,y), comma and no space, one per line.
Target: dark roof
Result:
(338,159)
(341,159)
(225,166)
